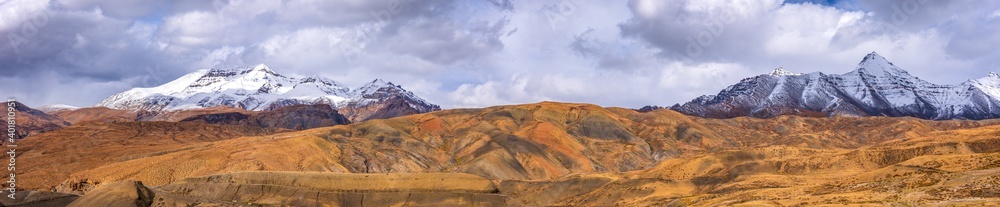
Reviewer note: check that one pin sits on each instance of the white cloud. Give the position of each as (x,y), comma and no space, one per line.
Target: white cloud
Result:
(493,92)
(15,14)
(696,78)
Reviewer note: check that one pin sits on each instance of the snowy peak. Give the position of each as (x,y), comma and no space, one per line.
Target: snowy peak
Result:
(876,87)
(875,65)
(379,89)
(782,72)
(872,57)
(378,82)
(376,86)
(56,107)
(238,80)
(990,77)
(989,84)
(262,67)
(327,85)
(244,69)
(259,88)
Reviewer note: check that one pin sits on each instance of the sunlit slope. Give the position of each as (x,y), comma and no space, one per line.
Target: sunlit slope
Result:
(45,160)
(532,141)
(958,167)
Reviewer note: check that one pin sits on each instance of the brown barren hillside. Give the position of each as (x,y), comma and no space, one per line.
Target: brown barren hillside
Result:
(47,159)
(96,114)
(29,121)
(584,155)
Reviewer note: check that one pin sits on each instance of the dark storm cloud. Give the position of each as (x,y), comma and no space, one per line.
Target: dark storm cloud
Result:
(503,4)
(412,37)
(686,32)
(145,43)
(78,43)
(443,41)
(918,14)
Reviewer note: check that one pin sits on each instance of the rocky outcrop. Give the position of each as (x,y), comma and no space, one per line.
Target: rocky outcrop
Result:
(387,108)
(29,198)
(295,117)
(317,189)
(118,194)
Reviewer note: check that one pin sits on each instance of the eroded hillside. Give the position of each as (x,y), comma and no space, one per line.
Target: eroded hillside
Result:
(586,155)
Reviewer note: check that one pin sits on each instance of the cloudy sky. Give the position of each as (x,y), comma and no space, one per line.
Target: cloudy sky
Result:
(479,53)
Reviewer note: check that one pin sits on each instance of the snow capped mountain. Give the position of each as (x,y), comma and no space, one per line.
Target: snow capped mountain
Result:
(875,88)
(782,72)
(381,99)
(379,90)
(56,107)
(260,88)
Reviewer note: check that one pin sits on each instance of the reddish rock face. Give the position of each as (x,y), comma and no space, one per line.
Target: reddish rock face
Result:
(381,100)
(99,114)
(387,108)
(295,117)
(29,121)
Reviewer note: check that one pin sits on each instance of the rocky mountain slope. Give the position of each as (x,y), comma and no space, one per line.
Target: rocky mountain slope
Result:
(29,121)
(295,117)
(876,87)
(57,154)
(260,88)
(561,154)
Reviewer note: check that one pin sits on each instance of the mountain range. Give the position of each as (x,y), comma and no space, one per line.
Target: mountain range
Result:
(237,137)
(259,88)
(542,154)
(876,87)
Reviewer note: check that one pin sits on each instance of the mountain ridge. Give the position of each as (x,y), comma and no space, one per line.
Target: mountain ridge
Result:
(876,87)
(260,88)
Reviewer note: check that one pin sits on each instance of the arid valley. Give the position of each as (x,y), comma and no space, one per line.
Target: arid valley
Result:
(543,154)
(483,103)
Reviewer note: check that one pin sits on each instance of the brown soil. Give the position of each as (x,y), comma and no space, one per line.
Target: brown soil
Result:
(548,154)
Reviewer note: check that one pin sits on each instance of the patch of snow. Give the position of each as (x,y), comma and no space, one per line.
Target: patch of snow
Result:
(57,107)
(782,72)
